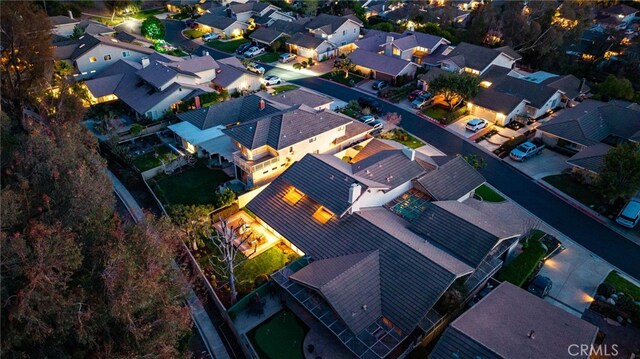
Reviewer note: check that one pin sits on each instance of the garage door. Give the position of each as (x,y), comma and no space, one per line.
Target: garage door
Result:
(484,113)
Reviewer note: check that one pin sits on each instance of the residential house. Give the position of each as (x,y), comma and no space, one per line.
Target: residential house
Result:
(327,36)
(467,4)
(476,59)
(278,29)
(616,17)
(225,26)
(63,25)
(382,67)
(233,77)
(91,54)
(408,46)
(590,130)
(268,145)
(95,28)
(510,323)
(133,39)
(154,85)
(177,6)
(235,18)
(593,43)
(200,130)
(305,97)
(265,36)
(380,251)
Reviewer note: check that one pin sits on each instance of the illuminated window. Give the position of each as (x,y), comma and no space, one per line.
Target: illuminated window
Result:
(396,51)
(471,71)
(322,215)
(294,196)
(93,59)
(485,84)
(107,57)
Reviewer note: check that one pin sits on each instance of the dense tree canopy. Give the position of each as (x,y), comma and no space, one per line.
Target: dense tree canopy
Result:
(455,88)
(153,28)
(614,87)
(620,176)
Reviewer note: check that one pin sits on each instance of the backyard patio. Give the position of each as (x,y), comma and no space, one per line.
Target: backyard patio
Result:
(260,240)
(192,185)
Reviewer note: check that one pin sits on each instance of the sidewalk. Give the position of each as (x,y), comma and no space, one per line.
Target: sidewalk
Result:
(201,319)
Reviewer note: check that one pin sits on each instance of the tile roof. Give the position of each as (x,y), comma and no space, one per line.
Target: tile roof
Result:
(592,121)
(300,96)
(374,146)
(390,168)
(591,158)
(287,128)
(329,23)
(452,180)
(474,56)
(460,230)
(350,284)
(305,40)
(237,110)
(499,325)
(379,63)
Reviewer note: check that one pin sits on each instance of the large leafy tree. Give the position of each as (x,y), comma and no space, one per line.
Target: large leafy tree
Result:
(455,88)
(614,87)
(153,28)
(620,176)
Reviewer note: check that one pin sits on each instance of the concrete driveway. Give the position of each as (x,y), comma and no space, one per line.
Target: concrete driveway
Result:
(459,129)
(546,163)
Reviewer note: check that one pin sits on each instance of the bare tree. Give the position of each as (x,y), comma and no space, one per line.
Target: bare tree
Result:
(229,241)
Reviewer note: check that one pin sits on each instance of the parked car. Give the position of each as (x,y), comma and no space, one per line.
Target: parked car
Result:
(630,214)
(287,57)
(373,105)
(367,119)
(414,94)
(253,51)
(540,286)
(525,151)
(210,36)
(476,124)
(380,85)
(253,67)
(271,80)
(191,23)
(422,100)
(244,47)
(377,125)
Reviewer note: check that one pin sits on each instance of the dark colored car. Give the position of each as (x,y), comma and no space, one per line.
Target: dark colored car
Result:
(380,85)
(242,48)
(373,105)
(415,93)
(540,286)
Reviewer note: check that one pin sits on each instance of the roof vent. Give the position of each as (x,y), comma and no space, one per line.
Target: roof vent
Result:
(262,104)
(331,177)
(532,334)
(364,307)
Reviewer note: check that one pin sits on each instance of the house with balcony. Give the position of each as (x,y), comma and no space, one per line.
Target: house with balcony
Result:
(268,145)
(154,85)
(235,18)
(590,130)
(511,323)
(91,54)
(474,59)
(326,36)
(382,252)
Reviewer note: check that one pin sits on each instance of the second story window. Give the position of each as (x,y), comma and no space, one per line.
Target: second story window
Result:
(344,32)
(396,51)
(126,53)
(107,57)
(93,59)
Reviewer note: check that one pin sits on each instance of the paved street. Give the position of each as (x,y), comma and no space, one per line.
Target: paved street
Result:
(594,236)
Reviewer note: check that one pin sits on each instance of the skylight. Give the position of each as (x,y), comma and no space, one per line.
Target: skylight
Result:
(293,196)
(322,215)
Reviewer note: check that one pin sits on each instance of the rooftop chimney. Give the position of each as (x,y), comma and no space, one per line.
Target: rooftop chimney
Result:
(197,101)
(70,14)
(262,104)
(410,153)
(145,62)
(354,192)
(387,46)
(581,89)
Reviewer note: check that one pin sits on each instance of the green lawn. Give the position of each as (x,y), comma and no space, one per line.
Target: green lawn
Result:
(522,267)
(152,159)
(623,285)
(193,34)
(281,336)
(141,15)
(339,77)
(583,193)
(264,263)
(268,57)
(196,185)
(283,88)
(227,46)
(404,138)
(488,194)
(436,112)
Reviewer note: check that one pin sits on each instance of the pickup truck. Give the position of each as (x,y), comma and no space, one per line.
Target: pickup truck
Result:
(525,151)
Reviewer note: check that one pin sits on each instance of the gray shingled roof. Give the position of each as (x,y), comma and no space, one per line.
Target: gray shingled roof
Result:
(350,284)
(496,101)
(591,158)
(374,146)
(286,129)
(569,84)
(305,40)
(454,234)
(592,121)
(238,110)
(299,96)
(452,180)
(498,327)
(474,56)
(288,27)
(379,63)
(411,39)
(329,23)
(215,21)
(408,287)
(62,20)
(391,168)
(265,34)
(536,94)
(228,74)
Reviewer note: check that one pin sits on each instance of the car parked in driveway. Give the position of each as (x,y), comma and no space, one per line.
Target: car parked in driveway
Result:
(253,67)
(244,47)
(271,80)
(377,125)
(367,119)
(422,101)
(414,94)
(380,85)
(210,36)
(540,286)
(630,214)
(253,51)
(476,124)
(286,57)
(525,151)
(373,105)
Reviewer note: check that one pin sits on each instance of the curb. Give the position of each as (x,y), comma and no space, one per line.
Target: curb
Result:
(572,202)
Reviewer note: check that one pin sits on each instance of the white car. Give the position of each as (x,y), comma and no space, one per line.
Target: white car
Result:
(476,124)
(287,57)
(253,51)
(271,80)
(253,67)
(210,36)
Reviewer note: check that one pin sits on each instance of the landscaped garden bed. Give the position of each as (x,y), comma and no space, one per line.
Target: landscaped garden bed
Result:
(154,158)
(142,15)
(193,34)
(575,187)
(443,115)
(283,88)
(525,265)
(616,299)
(281,336)
(403,137)
(487,194)
(229,46)
(194,185)
(351,81)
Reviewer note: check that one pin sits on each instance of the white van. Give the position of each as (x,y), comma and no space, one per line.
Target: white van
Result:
(630,214)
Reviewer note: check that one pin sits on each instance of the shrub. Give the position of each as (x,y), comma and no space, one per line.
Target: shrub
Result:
(224,198)
(606,289)
(310,62)
(297,66)
(260,280)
